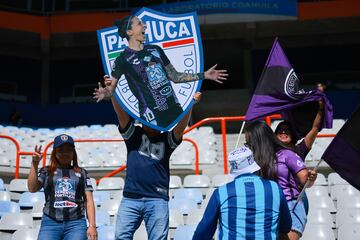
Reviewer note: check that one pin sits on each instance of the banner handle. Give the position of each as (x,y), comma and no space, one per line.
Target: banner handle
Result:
(305,186)
(238,139)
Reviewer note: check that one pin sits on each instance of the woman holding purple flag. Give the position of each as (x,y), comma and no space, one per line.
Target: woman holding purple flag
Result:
(287,135)
(281,163)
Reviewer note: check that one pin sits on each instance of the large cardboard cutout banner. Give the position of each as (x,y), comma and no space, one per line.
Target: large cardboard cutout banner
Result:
(179,36)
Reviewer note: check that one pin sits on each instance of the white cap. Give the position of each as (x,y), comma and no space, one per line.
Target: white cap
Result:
(242,161)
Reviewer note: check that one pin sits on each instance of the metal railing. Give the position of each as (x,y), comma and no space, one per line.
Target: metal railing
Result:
(222,120)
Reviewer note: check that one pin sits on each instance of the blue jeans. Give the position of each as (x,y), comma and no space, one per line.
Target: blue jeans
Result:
(66,230)
(154,211)
(298,216)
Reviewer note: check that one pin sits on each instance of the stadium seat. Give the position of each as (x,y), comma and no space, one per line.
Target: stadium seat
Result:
(102,218)
(27,199)
(320,180)
(184,232)
(184,206)
(2,186)
(106,232)
(100,197)
(336,179)
(111,183)
(18,185)
(5,196)
(15,221)
(195,216)
(343,190)
(207,156)
(347,216)
(8,207)
(318,232)
(175,218)
(186,158)
(111,206)
(345,202)
(175,182)
(26,234)
(116,195)
(188,193)
(324,202)
(221,179)
(320,216)
(349,232)
(208,195)
(140,233)
(37,210)
(4,161)
(317,191)
(196,181)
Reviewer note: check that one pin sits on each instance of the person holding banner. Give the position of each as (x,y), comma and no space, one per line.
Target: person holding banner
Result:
(146,190)
(280,163)
(148,70)
(68,193)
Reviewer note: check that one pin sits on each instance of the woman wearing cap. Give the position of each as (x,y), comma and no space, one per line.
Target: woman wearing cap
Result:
(280,163)
(148,70)
(68,193)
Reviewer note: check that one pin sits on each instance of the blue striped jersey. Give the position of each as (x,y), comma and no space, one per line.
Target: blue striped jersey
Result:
(249,207)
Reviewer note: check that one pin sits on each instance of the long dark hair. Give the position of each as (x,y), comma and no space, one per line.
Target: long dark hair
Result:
(54,162)
(264,144)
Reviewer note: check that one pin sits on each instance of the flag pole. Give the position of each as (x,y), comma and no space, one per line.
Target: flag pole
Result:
(238,139)
(305,186)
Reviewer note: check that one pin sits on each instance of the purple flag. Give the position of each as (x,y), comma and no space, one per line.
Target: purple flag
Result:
(278,91)
(343,153)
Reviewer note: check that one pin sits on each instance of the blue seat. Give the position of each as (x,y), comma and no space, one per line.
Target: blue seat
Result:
(184,206)
(189,193)
(184,232)
(100,197)
(27,199)
(106,233)
(8,207)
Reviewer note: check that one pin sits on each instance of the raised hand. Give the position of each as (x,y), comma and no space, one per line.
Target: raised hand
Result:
(36,157)
(106,92)
(197,97)
(216,75)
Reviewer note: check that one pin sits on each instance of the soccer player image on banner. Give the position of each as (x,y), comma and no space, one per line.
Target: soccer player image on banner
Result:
(155,100)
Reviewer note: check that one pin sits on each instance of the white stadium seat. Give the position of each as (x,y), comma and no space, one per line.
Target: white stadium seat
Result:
(26,234)
(347,216)
(111,206)
(15,221)
(349,232)
(345,202)
(196,181)
(175,182)
(111,183)
(221,179)
(175,218)
(318,232)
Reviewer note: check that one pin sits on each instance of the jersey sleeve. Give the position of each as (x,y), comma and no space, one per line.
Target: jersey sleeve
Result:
(172,141)
(294,163)
(128,131)
(42,175)
(163,56)
(207,226)
(117,69)
(88,184)
(303,149)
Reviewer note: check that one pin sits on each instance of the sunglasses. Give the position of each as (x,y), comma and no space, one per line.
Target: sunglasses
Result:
(283,130)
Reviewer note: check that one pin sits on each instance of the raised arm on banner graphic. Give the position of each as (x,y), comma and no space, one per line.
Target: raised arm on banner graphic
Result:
(211,74)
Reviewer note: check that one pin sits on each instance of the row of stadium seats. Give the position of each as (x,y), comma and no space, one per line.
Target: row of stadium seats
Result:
(93,155)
